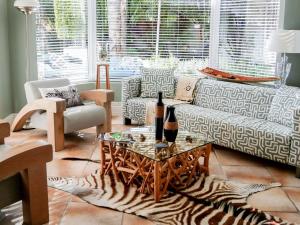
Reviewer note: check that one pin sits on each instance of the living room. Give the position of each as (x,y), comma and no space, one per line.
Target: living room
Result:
(150,112)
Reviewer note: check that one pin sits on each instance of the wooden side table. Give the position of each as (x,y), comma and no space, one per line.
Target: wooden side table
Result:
(107,81)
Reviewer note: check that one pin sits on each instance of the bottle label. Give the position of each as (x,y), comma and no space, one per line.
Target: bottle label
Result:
(159,111)
(171,126)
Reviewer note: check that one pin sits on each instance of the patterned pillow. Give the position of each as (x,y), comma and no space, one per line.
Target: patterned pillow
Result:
(286,100)
(69,93)
(155,80)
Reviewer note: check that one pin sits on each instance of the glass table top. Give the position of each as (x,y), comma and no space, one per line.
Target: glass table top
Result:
(141,140)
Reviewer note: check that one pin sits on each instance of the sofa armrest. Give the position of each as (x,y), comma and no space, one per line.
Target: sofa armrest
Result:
(51,105)
(294,157)
(4,130)
(18,158)
(131,87)
(100,96)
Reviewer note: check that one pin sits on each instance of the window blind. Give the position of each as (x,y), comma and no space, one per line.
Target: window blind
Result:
(62,39)
(127,30)
(185,29)
(244,28)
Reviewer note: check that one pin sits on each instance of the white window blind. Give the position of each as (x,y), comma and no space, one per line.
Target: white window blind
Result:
(185,29)
(244,28)
(127,28)
(62,39)
(229,34)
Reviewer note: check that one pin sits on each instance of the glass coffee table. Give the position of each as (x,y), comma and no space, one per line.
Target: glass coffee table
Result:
(134,157)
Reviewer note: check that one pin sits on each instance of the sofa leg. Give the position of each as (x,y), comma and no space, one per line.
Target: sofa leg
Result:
(298,172)
(127,121)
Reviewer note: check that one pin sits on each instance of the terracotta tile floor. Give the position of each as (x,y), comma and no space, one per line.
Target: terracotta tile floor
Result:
(67,209)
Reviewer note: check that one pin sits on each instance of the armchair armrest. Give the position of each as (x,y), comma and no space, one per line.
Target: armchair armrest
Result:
(4,130)
(294,157)
(103,98)
(19,158)
(100,96)
(131,87)
(51,105)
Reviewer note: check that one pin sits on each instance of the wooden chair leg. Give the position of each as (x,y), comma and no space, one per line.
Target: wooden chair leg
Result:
(56,130)
(107,107)
(35,200)
(298,172)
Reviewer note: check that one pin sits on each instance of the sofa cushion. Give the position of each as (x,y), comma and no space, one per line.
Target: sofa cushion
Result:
(285,102)
(245,100)
(135,108)
(155,80)
(250,135)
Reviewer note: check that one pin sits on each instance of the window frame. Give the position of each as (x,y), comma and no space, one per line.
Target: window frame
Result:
(213,41)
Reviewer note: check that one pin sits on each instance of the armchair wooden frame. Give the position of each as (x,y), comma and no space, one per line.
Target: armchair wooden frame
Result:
(25,165)
(55,108)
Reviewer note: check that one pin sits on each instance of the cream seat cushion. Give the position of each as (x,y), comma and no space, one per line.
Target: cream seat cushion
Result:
(75,118)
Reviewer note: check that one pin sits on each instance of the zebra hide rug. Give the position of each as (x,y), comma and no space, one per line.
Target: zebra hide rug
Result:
(207,201)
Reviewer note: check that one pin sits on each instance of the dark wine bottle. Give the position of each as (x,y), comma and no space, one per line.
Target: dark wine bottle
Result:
(171,125)
(159,118)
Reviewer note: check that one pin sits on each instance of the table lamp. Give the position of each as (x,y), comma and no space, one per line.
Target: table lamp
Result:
(284,41)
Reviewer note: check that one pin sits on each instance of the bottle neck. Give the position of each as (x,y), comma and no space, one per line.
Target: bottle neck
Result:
(159,97)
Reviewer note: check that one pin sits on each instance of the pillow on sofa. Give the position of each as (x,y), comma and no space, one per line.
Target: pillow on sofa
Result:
(185,88)
(69,93)
(286,100)
(155,80)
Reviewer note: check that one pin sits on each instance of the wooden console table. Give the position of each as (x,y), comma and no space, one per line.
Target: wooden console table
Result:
(98,81)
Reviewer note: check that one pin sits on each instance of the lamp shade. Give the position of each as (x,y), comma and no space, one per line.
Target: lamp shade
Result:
(284,41)
(26,6)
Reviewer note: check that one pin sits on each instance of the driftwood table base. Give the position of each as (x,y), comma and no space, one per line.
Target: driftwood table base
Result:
(151,176)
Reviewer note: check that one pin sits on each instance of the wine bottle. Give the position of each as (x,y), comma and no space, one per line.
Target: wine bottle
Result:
(171,125)
(159,118)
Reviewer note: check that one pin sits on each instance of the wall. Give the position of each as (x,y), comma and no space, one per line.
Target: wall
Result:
(292,22)
(18,53)
(5,95)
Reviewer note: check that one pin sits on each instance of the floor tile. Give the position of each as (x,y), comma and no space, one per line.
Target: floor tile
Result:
(290,217)
(65,168)
(274,199)
(284,174)
(229,157)
(248,174)
(129,219)
(216,169)
(294,195)
(56,212)
(87,214)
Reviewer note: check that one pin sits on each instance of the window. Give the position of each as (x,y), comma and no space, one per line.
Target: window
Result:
(244,29)
(227,34)
(185,29)
(62,39)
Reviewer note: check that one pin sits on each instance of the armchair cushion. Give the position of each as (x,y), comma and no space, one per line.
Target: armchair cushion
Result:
(284,104)
(75,118)
(69,93)
(155,80)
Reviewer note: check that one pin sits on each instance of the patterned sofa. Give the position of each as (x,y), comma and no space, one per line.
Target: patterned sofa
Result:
(256,120)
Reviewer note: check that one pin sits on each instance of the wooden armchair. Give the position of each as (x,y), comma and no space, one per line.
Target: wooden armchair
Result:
(23,177)
(52,115)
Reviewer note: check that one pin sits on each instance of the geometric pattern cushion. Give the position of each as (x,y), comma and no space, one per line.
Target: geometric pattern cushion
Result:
(253,136)
(136,108)
(285,102)
(155,80)
(245,100)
